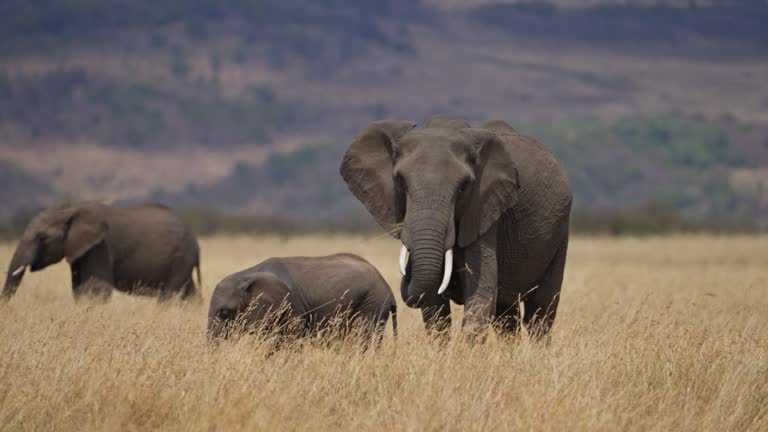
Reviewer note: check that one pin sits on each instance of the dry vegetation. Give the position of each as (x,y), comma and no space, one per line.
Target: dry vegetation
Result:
(143,171)
(653,334)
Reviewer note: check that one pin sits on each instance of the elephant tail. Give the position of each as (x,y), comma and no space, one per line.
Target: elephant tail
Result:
(393,312)
(199,277)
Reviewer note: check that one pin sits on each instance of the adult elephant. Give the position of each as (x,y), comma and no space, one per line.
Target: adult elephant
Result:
(482,214)
(142,249)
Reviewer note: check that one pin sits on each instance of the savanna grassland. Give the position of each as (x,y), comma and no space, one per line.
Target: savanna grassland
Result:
(658,333)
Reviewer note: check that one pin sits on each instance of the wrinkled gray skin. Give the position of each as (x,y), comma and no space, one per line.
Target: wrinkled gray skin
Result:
(499,199)
(143,249)
(309,291)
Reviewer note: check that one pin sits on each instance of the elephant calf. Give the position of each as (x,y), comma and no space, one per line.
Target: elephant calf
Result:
(302,295)
(142,249)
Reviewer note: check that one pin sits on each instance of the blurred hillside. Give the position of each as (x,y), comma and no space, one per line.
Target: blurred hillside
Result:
(247,105)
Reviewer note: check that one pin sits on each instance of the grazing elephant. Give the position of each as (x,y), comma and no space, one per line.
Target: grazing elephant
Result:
(482,214)
(143,249)
(304,294)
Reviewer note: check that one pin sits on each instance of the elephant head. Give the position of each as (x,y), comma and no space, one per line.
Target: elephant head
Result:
(433,188)
(246,300)
(64,231)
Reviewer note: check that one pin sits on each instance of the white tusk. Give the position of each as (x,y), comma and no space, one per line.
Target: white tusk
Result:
(18,271)
(448,270)
(403,259)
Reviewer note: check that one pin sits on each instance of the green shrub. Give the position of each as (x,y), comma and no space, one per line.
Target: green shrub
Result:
(676,140)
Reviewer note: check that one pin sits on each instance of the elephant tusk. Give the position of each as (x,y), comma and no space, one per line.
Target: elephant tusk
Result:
(19,271)
(403,259)
(448,270)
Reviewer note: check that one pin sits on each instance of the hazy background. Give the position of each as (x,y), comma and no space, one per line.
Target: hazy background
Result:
(236,112)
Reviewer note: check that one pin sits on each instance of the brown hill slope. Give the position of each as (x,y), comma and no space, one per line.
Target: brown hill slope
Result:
(179,100)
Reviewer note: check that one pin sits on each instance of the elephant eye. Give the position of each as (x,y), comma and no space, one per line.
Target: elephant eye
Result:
(226,314)
(464,184)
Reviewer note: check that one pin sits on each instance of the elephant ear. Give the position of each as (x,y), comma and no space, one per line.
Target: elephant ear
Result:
(495,189)
(367,169)
(87,228)
(267,286)
(266,292)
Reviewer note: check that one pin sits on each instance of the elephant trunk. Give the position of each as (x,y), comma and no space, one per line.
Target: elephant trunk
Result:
(216,329)
(427,268)
(23,258)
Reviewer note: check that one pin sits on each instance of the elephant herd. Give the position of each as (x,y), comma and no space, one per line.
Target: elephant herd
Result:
(482,214)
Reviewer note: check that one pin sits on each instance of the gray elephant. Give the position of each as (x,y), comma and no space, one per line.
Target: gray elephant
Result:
(482,214)
(303,294)
(142,249)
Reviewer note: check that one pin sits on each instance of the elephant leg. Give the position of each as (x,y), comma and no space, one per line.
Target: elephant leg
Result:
(480,282)
(437,316)
(373,334)
(180,283)
(384,312)
(92,275)
(541,304)
(369,331)
(189,291)
(508,318)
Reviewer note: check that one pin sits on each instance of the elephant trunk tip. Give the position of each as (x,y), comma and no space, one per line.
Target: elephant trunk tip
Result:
(12,282)
(416,286)
(8,291)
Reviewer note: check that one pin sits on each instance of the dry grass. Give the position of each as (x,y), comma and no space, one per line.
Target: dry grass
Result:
(653,334)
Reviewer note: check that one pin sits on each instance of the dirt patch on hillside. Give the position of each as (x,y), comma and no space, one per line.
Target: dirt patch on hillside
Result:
(90,171)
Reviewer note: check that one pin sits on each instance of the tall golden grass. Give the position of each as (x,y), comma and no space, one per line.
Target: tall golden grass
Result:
(652,334)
